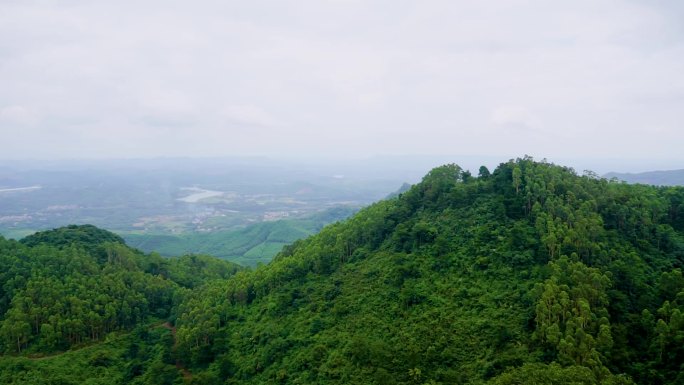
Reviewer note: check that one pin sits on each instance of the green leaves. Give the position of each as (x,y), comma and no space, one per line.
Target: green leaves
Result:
(530,273)
(571,314)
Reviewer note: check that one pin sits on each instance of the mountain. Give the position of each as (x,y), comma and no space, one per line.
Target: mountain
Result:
(86,236)
(72,287)
(658,178)
(530,273)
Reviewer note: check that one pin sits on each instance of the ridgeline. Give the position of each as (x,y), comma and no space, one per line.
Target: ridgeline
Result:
(530,272)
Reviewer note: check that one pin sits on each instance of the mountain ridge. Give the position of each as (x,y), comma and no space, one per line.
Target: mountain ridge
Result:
(528,272)
(504,258)
(658,177)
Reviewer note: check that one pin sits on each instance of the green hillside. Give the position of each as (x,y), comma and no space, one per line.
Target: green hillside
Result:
(248,246)
(528,274)
(143,356)
(80,289)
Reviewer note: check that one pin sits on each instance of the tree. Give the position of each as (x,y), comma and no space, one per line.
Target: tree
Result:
(517,178)
(483,172)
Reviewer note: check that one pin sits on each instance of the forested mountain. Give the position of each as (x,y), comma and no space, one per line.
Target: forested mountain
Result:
(76,285)
(658,178)
(530,273)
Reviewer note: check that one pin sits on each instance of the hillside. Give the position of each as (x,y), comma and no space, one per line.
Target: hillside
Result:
(530,272)
(658,178)
(74,287)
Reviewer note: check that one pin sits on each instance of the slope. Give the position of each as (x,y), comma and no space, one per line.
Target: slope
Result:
(530,272)
(80,289)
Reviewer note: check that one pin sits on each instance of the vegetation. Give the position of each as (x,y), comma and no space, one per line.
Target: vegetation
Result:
(248,246)
(143,356)
(71,286)
(526,273)
(165,197)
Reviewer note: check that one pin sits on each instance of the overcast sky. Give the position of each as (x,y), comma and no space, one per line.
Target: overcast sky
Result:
(572,79)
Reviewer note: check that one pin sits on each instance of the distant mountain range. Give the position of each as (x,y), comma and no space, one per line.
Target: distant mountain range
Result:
(658,178)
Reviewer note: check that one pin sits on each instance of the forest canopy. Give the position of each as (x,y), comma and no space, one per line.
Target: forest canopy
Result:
(528,271)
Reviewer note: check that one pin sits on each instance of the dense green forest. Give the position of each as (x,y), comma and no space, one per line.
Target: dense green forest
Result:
(74,287)
(528,274)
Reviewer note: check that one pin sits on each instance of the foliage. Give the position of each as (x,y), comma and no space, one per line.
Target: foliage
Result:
(530,272)
(73,285)
(248,246)
(144,356)
(87,236)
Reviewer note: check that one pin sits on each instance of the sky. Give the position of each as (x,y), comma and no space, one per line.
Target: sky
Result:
(583,79)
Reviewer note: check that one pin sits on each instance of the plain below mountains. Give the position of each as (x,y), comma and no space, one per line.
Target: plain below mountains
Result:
(247,246)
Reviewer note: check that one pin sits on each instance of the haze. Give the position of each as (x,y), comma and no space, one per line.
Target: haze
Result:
(126,79)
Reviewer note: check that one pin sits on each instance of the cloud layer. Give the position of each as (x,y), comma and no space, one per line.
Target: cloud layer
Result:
(343,77)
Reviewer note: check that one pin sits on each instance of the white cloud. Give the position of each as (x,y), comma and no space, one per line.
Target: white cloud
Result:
(248,115)
(515,116)
(361,77)
(18,115)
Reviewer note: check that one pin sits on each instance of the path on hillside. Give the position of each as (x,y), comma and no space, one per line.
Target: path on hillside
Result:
(179,365)
(166,325)
(91,345)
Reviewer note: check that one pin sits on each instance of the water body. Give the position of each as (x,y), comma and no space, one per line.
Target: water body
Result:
(198,194)
(31,188)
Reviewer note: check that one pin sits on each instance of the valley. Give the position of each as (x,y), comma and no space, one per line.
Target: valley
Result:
(341,192)
(194,206)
